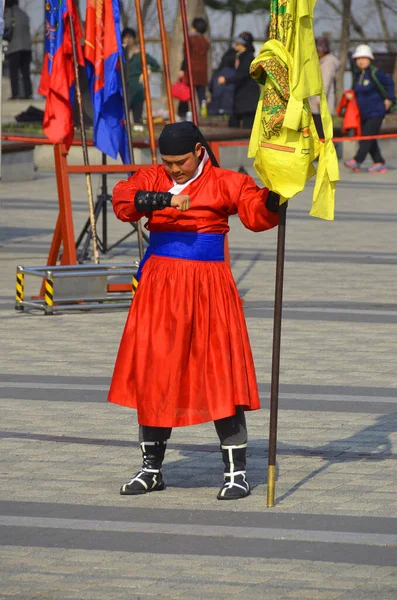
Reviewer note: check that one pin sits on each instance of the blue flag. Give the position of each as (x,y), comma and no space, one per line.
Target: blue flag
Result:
(102,54)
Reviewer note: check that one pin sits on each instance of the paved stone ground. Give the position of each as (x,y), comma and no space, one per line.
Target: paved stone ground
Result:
(65,533)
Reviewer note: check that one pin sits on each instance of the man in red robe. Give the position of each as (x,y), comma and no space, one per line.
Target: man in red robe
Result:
(185,356)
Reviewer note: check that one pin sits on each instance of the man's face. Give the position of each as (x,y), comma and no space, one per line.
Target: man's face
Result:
(182,166)
(128,41)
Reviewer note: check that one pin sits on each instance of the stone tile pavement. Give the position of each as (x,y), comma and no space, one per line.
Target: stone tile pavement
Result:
(65,533)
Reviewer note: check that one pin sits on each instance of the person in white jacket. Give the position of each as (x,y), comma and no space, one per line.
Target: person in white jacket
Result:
(329,65)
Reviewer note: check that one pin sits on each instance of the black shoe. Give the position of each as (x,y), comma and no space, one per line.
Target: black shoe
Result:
(235,485)
(143,483)
(243,170)
(150,478)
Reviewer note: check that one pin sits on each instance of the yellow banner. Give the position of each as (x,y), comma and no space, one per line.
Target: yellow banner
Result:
(284,141)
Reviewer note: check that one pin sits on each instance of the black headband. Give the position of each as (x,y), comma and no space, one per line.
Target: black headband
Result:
(182,138)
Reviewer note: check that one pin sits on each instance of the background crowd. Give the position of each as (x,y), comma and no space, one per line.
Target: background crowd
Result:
(230,92)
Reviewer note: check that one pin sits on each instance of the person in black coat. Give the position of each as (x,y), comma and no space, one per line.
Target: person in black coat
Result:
(222,96)
(247,90)
(19,51)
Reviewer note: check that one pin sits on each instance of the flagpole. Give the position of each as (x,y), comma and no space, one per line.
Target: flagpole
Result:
(274,390)
(130,144)
(166,64)
(1,89)
(84,142)
(188,60)
(104,194)
(146,83)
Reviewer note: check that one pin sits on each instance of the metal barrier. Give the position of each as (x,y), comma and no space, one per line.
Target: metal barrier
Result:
(64,228)
(75,287)
(99,293)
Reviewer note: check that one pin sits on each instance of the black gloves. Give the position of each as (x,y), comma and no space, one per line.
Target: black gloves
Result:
(149,201)
(273,202)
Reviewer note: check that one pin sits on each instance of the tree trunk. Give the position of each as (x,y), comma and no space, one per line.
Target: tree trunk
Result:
(194,8)
(386,33)
(344,46)
(356,26)
(233,25)
(123,15)
(385,28)
(145,9)
(395,72)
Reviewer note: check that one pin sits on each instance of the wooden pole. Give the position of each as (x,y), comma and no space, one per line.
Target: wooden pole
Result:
(104,193)
(188,60)
(84,142)
(130,144)
(166,64)
(146,83)
(278,308)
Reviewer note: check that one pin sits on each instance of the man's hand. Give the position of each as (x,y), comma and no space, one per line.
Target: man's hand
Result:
(180,202)
(221,80)
(349,96)
(388,103)
(181,74)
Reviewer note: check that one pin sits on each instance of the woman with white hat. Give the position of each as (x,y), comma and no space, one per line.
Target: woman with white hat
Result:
(374,92)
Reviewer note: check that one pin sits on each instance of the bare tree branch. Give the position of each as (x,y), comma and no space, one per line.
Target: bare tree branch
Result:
(344,45)
(123,15)
(389,7)
(388,39)
(355,24)
(145,9)
(385,28)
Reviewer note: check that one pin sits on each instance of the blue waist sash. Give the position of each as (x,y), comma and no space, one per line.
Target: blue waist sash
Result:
(187,245)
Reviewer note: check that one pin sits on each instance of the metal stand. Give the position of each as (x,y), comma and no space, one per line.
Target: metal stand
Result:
(79,99)
(100,209)
(1,99)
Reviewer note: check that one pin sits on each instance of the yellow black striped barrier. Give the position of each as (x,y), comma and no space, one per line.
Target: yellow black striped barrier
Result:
(134,286)
(49,294)
(108,296)
(19,290)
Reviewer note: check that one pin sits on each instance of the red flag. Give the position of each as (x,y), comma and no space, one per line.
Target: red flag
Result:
(57,77)
(102,52)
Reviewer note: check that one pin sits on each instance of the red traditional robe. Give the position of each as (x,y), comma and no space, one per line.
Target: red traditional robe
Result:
(185,356)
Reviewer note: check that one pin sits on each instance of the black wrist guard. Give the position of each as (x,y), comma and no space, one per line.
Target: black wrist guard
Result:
(149,201)
(273,202)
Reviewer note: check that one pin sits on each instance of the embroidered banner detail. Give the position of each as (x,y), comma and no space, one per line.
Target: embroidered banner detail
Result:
(277,147)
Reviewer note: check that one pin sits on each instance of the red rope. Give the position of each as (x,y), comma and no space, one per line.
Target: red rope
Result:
(42,141)
(45,141)
(365,137)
